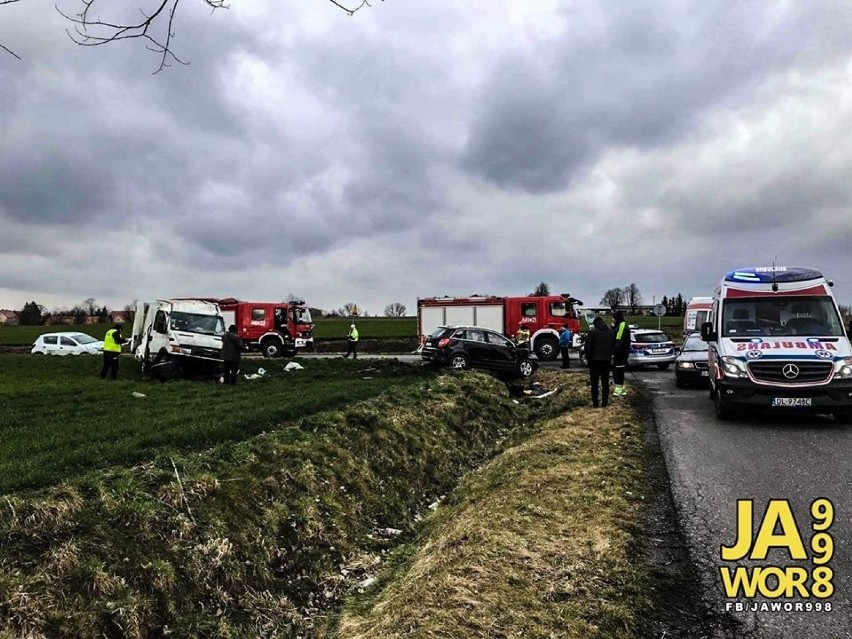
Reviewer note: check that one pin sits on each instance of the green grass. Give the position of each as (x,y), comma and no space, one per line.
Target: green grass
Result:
(59,417)
(368,328)
(325,329)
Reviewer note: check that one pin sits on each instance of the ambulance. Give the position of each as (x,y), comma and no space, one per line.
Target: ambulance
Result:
(777,343)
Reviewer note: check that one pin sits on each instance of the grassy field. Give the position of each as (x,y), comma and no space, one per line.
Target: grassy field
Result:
(325,329)
(59,417)
(258,511)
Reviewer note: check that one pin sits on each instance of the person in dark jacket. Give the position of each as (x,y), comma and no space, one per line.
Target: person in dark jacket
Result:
(598,349)
(232,348)
(620,353)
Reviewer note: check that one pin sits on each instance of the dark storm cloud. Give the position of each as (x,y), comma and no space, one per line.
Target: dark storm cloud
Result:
(632,75)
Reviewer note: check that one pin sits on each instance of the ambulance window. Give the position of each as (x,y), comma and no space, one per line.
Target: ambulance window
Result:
(528,310)
(258,314)
(558,309)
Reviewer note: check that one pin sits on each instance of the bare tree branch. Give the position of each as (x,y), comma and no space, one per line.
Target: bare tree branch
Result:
(7,49)
(155,27)
(93,32)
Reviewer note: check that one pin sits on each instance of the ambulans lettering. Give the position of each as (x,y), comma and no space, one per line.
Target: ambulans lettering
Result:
(820,347)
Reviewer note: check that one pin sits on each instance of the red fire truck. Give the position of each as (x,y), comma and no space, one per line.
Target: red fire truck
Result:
(274,328)
(543,316)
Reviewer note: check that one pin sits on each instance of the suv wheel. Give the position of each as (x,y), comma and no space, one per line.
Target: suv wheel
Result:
(459,362)
(526,367)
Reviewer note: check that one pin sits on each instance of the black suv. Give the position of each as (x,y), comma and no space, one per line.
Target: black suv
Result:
(471,347)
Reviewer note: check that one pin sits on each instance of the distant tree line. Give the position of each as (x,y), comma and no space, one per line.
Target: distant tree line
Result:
(628,297)
(674,305)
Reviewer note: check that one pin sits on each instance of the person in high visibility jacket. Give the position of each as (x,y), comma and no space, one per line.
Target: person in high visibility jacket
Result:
(522,337)
(112,349)
(353,342)
(620,353)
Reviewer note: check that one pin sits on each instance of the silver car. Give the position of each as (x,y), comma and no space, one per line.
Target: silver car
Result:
(650,347)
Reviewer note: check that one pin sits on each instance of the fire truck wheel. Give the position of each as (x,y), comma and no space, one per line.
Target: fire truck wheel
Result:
(459,362)
(545,348)
(271,348)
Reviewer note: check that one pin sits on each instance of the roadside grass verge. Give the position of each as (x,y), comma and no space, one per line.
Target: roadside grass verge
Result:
(60,418)
(254,538)
(536,543)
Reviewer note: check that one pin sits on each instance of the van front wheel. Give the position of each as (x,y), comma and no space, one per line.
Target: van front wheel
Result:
(723,408)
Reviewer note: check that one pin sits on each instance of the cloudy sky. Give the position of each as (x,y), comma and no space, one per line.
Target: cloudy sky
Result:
(424,148)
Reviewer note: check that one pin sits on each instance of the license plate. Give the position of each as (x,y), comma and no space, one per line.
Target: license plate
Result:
(791,401)
(659,351)
(705,374)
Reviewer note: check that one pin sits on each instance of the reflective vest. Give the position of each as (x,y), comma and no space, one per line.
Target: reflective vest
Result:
(109,342)
(353,334)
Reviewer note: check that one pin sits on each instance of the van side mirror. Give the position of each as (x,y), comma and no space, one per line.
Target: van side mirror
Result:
(707,332)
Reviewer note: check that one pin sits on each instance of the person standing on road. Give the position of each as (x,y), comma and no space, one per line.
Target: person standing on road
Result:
(620,353)
(353,342)
(598,349)
(565,340)
(112,350)
(232,348)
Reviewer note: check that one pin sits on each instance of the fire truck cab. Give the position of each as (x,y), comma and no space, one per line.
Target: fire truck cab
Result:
(273,328)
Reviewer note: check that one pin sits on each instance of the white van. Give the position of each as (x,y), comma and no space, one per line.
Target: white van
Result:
(178,337)
(777,343)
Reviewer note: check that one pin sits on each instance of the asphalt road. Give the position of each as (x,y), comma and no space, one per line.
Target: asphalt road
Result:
(713,464)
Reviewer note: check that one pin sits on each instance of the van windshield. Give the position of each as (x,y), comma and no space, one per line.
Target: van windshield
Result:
(197,323)
(814,316)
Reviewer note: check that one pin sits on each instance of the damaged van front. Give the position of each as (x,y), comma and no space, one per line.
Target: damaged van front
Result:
(178,338)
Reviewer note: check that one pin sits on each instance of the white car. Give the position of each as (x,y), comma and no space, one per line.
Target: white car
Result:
(67,343)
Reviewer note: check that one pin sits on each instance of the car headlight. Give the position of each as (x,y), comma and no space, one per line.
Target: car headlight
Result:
(844,368)
(733,368)
(685,365)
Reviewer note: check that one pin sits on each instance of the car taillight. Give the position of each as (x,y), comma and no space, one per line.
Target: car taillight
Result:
(445,341)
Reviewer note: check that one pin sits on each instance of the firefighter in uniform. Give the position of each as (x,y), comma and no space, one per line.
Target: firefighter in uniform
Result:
(522,337)
(112,349)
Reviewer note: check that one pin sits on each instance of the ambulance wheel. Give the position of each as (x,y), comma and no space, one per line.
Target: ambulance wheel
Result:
(723,409)
(271,348)
(545,349)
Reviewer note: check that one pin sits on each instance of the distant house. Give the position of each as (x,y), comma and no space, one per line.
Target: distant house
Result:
(8,317)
